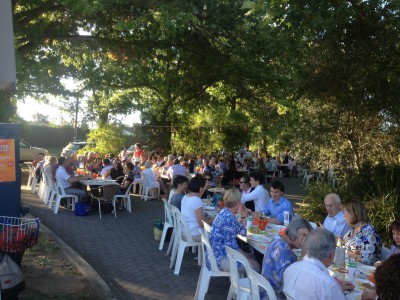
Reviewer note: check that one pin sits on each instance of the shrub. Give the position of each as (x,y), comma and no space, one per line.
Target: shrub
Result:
(108,139)
(377,186)
(312,208)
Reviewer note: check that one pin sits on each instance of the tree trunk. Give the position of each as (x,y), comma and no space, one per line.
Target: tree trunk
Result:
(263,137)
(232,102)
(354,147)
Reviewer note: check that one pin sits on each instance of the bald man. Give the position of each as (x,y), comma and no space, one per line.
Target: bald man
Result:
(335,221)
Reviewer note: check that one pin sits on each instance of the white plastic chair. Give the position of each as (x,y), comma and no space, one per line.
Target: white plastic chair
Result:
(54,193)
(42,186)
(60,195)
(181,241)
(171,194)
(288,297)
(307,177)
(169,223)
(107,197)
(320,175)
(125,197)
(257,280)
(205,272)
(48,181)
(147,187)
(207,229)
(137,186)
(239,286)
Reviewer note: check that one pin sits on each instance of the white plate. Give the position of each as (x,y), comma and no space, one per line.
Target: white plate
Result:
(258,238)
(362,284)
(368,270)
(208,207)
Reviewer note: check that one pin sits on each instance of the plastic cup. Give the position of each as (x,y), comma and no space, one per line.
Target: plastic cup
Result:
(339,257)
(249,223)
(351,270)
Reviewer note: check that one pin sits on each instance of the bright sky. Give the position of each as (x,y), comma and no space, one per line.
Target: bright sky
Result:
(30,108)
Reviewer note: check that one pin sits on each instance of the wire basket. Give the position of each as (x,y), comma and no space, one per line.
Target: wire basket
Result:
(18,234)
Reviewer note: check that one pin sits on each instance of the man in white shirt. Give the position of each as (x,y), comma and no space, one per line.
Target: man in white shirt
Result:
(335,221)
(259,195)
(65,180)
(177,169)
(105,172)
(309,278)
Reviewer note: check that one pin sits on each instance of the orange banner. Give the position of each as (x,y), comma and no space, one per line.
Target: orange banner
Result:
(7,160)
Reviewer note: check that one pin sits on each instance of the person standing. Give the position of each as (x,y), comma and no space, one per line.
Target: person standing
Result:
(138,151)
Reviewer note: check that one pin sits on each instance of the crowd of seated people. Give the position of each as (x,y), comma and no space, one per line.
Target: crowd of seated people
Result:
(348,221)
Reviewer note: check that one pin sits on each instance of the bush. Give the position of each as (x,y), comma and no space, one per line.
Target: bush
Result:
(377,186)
(108,139)
(312,208)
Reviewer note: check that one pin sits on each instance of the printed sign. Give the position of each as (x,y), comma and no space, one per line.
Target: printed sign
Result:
(7,160)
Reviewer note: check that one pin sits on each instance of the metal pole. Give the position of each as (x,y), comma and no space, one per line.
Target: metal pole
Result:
(76,120)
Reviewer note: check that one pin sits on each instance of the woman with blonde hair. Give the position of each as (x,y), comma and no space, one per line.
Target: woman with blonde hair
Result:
(226,227)
(50,167)
(362,241)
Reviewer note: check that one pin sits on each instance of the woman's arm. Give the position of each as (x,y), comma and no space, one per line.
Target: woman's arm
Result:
(200,217)
(126,184)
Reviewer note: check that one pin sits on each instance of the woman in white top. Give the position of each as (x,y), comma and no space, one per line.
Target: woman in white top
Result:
(49,167)
(192,207)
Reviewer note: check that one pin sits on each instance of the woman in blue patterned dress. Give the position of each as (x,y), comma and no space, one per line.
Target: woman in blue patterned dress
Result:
(363,243)
(226,228)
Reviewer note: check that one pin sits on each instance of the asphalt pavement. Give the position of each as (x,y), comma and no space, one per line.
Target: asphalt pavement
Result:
(123,250)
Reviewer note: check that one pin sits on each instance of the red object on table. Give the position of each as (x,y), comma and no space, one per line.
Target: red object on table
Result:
(262,223)
(256,220)
(282,233)
(371,278)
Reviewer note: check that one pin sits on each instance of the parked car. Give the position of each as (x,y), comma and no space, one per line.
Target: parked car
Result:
(73,148)
(28,152)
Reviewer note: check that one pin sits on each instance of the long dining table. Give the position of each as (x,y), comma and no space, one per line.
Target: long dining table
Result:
(260,242)
(104,182)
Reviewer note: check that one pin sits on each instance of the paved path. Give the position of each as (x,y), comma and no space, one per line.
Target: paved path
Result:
(123,250)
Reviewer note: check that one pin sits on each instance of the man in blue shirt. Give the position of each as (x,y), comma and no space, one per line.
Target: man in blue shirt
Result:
(279,255)
(277,204)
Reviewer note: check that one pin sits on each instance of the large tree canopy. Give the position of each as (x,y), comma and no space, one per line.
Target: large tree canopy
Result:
(316,75)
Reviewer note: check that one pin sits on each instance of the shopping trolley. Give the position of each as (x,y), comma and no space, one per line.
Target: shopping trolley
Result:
(16,235)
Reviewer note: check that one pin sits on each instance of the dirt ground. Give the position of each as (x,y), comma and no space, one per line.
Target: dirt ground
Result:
(49,274)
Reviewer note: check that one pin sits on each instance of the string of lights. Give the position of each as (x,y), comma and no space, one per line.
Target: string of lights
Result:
(189,126)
